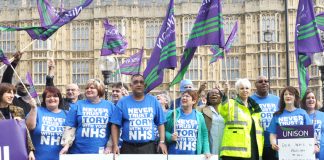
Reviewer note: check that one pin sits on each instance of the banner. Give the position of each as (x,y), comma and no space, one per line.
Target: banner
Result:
(13,145)
(296,142)
(134,156)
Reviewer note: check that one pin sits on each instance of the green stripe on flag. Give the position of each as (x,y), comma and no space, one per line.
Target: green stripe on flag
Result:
(307,25)
(47,19)
(307,30)
(166,57)
(113,44)
(302,76)
(192,36)
(202,23)
(151,77)
(179,77)
(308,35)
(205,27)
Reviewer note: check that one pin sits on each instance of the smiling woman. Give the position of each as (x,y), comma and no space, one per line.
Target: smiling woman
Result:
(9,111)
(86,127)
(46,123)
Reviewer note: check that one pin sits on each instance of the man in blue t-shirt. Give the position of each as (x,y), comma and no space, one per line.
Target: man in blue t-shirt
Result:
(137,114)
(269,104)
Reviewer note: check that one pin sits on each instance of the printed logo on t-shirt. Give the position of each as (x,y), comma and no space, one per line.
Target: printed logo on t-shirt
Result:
(187,134)
(94,122)
(291,120)
(140,123)
(51,130)
(267,113)
(318,128)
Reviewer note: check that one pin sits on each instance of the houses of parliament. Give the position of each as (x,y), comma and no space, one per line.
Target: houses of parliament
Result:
(76,46)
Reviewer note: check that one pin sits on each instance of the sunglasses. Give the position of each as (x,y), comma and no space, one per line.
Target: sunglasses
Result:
(263,81)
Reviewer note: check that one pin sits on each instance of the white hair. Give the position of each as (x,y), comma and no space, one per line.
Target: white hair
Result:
(242,82)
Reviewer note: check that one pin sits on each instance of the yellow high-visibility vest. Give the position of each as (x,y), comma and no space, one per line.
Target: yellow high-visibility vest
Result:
(238,123)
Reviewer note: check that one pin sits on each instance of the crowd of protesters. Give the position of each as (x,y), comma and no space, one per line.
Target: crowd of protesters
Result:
(243,127)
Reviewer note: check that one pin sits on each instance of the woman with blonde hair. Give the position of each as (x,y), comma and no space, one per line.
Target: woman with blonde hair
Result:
(243,133)
(87,129)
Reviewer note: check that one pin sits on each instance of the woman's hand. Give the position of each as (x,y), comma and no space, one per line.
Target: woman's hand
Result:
(275,147)
(108,150)
(31,156)
(32,103)
(207,155)
(317,148)
(65,149)
(174,136)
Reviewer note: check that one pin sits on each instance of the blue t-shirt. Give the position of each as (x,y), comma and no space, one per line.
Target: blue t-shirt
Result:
(48,133)
(187,129)
(137,118)
(294,118)
(318,122)
(91,123)
(268,105)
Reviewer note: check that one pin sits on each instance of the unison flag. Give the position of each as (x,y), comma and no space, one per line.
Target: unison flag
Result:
(217,54)
(207,30)
(164,52)
(307,41)
(3,58)
(113,41)
(13,139)
(44,32)
(131,65)
(320,21)
(32,89)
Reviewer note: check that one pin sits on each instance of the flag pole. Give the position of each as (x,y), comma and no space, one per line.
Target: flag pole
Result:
(38,101)
(120,76)
(13,58)
(226,75)
(174,107)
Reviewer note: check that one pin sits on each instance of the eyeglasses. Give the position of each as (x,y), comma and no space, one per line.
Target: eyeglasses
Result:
(72,90)
(263,81)
(138,81)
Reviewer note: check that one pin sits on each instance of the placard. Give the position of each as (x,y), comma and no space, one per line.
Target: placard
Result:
(296,142)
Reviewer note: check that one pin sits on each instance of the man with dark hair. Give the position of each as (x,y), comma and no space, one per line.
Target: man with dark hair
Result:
(269,104)
(118,90)
(137,114)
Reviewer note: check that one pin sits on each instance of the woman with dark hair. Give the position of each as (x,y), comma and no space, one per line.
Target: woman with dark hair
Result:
(9,111)
(86,127)
(46,124)
(191,135)
(289,114)
(214,121)
(309,103)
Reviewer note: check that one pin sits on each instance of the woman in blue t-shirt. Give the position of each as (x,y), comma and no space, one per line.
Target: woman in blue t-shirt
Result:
(191,135)
(289,114)
(86,126)
(309,103)
(46,124)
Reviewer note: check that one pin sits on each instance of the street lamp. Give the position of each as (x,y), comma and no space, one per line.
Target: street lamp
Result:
(107,66)
(267,35)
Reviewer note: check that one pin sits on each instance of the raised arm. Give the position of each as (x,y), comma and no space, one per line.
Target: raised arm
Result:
(32,116)
(8,73)
(50,76)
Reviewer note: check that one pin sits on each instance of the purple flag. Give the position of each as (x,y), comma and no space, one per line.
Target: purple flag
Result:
(32,89)
(231,38)
(307,41)
(320,21)
(44,32)
(3,58)
(217,54)
(164,53)
(13,143)
(207,30)
(48,14)
(131,65)
(113,41)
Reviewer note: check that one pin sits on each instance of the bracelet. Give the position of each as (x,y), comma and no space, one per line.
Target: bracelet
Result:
(162,142)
